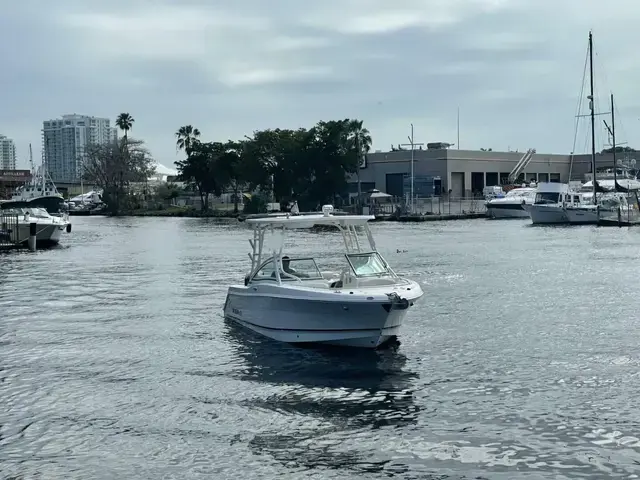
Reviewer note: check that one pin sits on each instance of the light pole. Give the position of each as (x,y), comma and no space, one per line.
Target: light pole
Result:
(413,145)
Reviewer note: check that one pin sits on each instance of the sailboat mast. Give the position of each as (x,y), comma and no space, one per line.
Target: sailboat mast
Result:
(593,118)
(613,141)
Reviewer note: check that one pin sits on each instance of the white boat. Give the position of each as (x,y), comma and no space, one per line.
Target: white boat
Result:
(613,199)
(608,206)
(49,228)
(86,204)
(512,204)
(38,192)
(550,200)
(363,306)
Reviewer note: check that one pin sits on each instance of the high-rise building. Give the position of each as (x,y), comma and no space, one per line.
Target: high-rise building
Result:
(7,153)
(65,141)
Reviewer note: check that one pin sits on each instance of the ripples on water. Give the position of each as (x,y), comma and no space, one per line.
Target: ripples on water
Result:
(521,361)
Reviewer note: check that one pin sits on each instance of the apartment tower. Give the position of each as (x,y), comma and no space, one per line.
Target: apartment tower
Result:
(7,153)
(65,141)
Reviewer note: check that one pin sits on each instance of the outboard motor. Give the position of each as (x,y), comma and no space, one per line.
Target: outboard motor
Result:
(246,280)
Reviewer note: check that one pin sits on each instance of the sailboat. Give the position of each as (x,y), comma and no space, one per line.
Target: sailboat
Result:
(601,199)
(552,199)
(38,192)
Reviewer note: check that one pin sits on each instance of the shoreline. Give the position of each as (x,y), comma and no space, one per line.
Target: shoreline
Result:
(181,213)
(430,218)
(239,216)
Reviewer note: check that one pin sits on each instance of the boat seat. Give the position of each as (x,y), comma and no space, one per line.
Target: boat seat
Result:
(316,283)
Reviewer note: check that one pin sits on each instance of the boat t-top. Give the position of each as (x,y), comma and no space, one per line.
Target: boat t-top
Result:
(289,299)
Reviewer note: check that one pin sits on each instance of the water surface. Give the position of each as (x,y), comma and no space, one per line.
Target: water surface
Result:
(520,362)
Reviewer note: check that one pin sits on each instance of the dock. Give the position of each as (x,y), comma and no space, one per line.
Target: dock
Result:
(430,218)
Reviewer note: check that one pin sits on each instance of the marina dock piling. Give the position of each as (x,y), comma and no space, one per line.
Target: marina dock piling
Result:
(32,236)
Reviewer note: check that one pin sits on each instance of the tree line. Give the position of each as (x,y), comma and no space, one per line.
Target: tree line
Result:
(310,166)
(307,165)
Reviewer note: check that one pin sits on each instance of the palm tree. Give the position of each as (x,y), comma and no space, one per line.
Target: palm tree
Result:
(125,123)
(187,137)
(360,142)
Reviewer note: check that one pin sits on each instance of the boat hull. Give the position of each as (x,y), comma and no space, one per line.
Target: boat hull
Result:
(582,216)
(590,216)
(46,235)
(366,320)
(547,214)
(506,210)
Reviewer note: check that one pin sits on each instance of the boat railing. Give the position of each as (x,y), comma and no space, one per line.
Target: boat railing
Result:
(9,235)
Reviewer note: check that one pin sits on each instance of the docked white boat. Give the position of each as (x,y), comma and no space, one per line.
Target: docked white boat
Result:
(609,205)
(290,300)
(49,228)
(38,192)
(550,200)
(512,204)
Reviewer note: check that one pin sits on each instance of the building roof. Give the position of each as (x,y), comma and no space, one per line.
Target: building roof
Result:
(162,170)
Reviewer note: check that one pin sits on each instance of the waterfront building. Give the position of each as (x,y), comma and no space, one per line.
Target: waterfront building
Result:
(463,173)
(65,141)
(7,153)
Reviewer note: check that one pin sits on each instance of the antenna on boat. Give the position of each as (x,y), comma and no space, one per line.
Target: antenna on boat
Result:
(31,157)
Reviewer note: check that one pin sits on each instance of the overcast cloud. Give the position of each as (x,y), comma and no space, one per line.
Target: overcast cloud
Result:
(514,67)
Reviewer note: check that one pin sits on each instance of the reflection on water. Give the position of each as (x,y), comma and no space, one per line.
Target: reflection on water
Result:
(115,361)
(348,392)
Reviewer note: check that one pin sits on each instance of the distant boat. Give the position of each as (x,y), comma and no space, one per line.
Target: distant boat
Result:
(89,203)
(38,192)
(512,205)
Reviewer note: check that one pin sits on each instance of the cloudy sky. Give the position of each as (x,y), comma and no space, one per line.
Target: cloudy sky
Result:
(513,67)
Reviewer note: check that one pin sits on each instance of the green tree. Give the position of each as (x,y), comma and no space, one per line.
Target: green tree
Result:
(168,192)
(619,149)
(113,169)
(310,166)
(125,123)
(235,166)
(187,137)
(202,169)
(360,142)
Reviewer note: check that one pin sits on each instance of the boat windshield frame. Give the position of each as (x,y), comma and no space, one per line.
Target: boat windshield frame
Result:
(285,275)
(547,198)
(373,259)
(37,212)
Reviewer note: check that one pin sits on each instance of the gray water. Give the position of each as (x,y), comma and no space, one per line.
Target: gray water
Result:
(520,362)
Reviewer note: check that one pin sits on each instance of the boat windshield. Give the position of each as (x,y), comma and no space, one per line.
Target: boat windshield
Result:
(519,193)
(546,197)
(291,269)
(305,268)
(32,211)
(367,264)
